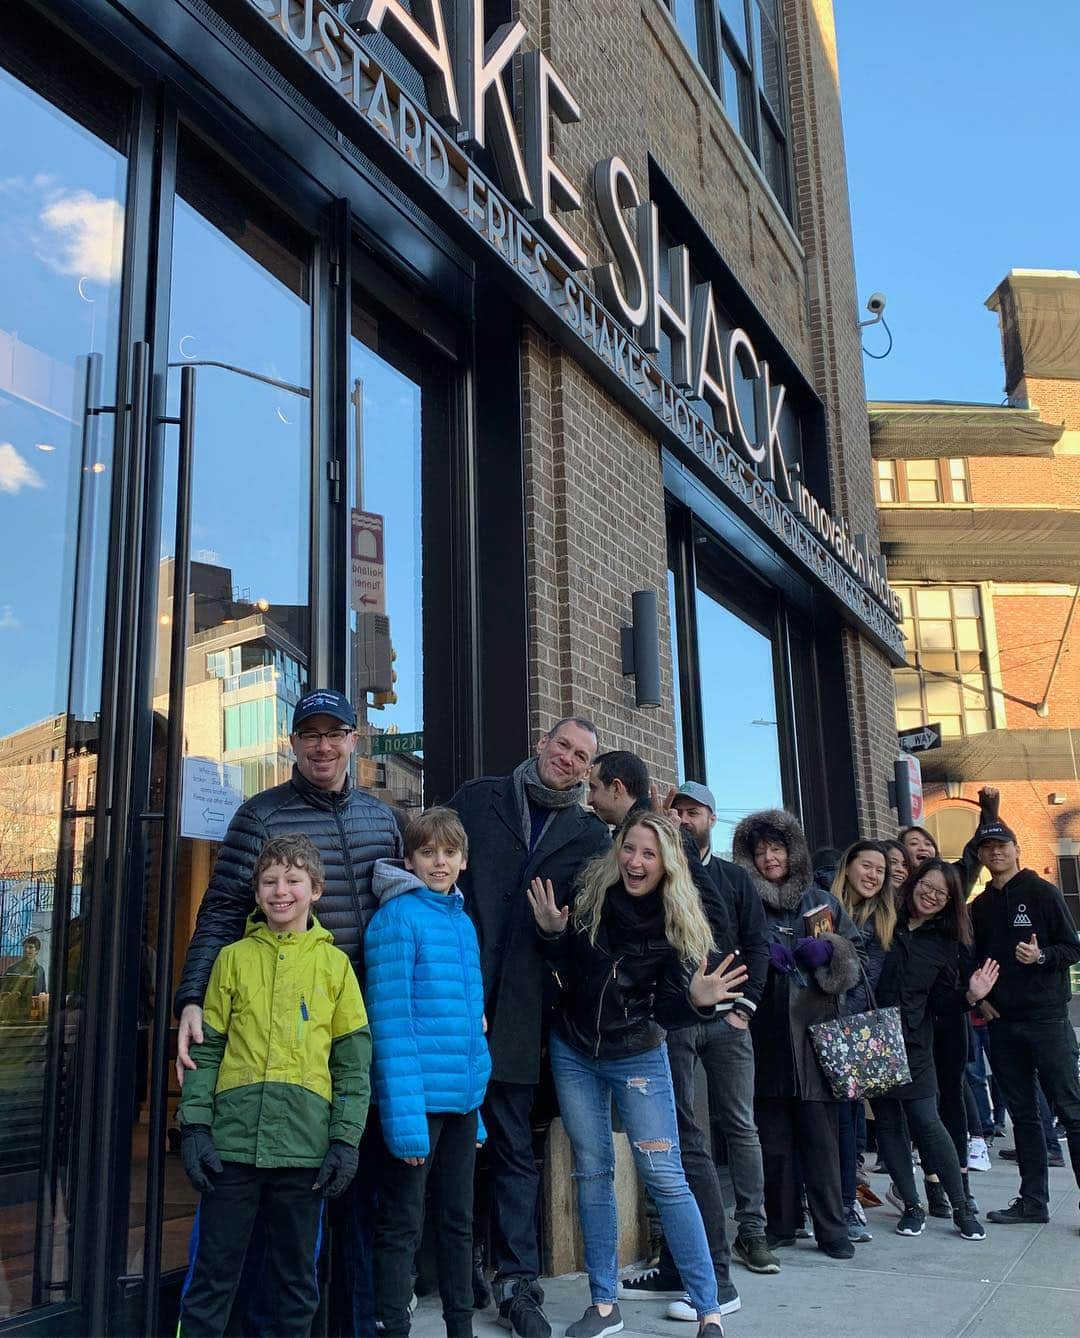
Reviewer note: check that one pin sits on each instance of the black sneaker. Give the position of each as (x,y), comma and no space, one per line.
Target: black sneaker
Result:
(913,1221)
(937,1201)
(651,1284)
(594,1325)
(968,1225)
(1055,1158)
(1007,1154)
(712,1330)
(1019,1213)
(520,1308)
(754,1252)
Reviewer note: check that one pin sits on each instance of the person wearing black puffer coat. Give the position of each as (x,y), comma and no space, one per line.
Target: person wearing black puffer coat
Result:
(922,978)
(351,830)
(795,1109)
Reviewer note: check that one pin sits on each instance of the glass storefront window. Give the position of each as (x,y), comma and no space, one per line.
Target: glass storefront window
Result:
(63,182)
(386,642)
(739,708)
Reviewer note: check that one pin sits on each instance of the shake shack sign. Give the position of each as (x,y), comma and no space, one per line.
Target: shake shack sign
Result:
(615,305)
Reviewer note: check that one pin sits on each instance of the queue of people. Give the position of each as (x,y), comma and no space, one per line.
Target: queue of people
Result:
(362,1008)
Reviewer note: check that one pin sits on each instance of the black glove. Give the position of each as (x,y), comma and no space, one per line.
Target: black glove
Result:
(337,1169)
(200,1156)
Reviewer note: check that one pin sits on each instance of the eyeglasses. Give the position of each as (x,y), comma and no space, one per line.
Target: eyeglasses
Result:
(310,737)
(932,890)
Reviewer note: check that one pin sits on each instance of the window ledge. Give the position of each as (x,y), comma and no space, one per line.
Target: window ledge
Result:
(744,148)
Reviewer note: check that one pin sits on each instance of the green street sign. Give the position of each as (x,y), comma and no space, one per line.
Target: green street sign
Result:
(397,743)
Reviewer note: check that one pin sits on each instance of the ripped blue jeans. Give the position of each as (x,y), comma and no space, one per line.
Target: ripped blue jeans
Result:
(641,1087)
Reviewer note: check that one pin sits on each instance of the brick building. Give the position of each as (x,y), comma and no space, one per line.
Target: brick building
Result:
(980,520)
(396,347)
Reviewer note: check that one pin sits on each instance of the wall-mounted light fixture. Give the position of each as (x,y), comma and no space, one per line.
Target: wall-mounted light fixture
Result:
(641,648)
(1056,798)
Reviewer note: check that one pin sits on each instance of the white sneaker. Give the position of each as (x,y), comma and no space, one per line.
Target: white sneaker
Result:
(978,1155)
(683,1310)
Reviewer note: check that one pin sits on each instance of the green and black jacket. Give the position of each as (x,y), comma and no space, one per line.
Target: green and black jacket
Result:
(283,1066)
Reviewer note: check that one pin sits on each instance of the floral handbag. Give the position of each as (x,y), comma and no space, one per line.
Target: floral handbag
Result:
(864,1054)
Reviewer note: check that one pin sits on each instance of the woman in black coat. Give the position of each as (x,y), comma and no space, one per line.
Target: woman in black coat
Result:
(921,977)
(794,1108)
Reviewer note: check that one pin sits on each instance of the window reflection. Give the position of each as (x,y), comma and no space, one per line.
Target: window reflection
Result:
(240,314)
(739,713)
(62,190)
(386,622)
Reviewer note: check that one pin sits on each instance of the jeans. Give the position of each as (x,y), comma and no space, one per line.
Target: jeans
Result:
(931,1138)
(848,1112)
(799,1142)
(219,1241)
(445,1179)
(727,1056)
(642,1090)
(514,1180)
(1046,1118)
(984,1084)
(1020,1050)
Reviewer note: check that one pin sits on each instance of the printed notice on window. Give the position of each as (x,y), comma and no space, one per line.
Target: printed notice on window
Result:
(212,793)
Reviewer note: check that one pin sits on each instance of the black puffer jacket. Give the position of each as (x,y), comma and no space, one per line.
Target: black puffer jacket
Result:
(618,995)
(351,830)
(784,1061)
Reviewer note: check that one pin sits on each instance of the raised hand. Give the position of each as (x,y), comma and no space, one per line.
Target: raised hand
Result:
(719,986)
(1028,953)
(549,918)
(983,980)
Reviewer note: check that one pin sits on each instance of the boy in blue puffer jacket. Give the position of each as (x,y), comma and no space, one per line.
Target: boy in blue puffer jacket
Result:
(425,1001)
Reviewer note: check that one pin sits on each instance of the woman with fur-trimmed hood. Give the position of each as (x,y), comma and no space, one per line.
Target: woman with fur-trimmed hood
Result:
(807,980)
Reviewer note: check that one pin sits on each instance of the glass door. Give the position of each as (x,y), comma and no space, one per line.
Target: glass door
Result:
(229,616)
(63,200)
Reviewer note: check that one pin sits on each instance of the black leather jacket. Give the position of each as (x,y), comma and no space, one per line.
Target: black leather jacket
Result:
(350,829)
(615,1002)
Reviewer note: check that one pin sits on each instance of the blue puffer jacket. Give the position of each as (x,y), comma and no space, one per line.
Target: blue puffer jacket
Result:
(425,1002)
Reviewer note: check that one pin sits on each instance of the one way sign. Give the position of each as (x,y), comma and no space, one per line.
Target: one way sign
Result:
(919,740)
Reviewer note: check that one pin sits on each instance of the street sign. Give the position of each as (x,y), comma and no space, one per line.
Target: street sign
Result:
(368,565)
(907,795)
(921,739)
(397,743)
(212,792)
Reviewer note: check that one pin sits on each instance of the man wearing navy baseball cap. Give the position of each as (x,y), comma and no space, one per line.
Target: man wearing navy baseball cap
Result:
(351,830)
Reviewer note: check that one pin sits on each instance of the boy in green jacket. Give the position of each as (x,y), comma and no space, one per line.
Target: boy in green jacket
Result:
(272,1116)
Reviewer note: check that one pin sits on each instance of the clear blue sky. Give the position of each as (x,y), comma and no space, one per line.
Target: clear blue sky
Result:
(960,118)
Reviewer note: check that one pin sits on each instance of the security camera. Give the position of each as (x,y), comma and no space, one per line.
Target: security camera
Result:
(875,304)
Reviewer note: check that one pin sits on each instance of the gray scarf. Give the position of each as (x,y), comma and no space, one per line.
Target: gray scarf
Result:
(528,785)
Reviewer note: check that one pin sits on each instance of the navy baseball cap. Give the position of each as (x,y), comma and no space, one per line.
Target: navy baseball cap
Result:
(994,831)
(700,794)
(324,701)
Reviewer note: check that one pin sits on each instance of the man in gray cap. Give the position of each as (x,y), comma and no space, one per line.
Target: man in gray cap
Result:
(724,1047)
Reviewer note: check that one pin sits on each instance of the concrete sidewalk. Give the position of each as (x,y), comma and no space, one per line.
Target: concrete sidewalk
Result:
(1020,1281)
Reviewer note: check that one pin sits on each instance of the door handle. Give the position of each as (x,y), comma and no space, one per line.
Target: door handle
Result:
(170,838)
